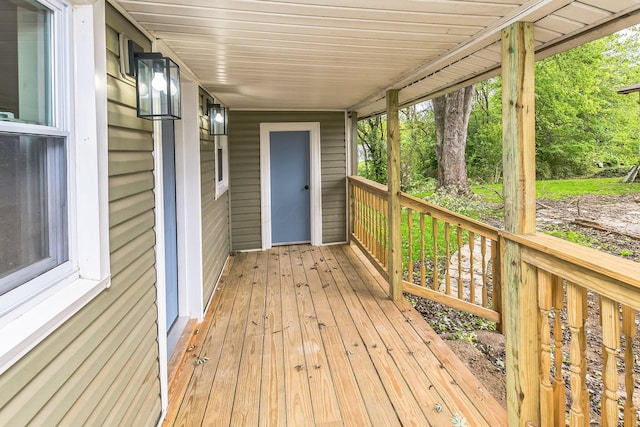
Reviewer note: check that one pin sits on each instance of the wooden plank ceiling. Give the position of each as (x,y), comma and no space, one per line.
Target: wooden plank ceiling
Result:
(344,54)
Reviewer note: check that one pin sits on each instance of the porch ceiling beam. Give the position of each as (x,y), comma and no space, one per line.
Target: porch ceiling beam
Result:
(479,41)
(619,22)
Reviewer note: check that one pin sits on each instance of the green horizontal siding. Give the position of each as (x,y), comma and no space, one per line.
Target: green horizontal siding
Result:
(244,145)
(215,213)
(101,366)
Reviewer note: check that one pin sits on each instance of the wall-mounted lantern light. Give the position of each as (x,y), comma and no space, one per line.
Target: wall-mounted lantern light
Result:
(218,119)
(157,84)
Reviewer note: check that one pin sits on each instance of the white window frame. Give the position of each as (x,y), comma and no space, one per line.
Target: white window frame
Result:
(28,316)
(222,142)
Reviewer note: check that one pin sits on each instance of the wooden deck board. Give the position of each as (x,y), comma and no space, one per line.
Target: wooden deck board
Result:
(405,353)
(220,404)
(272,390)
(306,336)
(371,390)
(457,374)
(369,321)
(323,397)
(442,371)
(298,395)
(192,406)
(245,412)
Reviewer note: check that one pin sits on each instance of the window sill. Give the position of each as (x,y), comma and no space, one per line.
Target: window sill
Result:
(20,335)
(220,190)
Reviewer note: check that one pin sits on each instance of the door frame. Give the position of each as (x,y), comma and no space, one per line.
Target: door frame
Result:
(188,227)
(314,174)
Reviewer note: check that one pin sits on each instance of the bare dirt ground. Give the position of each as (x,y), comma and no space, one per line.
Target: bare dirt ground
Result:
(617,231)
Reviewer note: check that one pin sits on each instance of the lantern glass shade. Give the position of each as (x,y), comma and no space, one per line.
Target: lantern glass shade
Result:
(157,87)
(218,119)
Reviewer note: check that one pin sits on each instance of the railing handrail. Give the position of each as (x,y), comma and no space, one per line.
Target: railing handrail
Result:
(614,277)
(367,184)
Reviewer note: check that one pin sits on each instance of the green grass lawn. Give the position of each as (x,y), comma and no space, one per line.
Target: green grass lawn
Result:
(551,189)
(561,188)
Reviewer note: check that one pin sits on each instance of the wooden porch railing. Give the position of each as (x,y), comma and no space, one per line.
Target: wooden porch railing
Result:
(456,261)
(582,293)
(369,222)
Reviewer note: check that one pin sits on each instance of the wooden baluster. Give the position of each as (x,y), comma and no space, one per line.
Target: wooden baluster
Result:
(361,215)
(578,414)
(380,230)
(496,279)
(460,284)
(365,213)
(356,213)
(434,236)
(559,391)
(379,248)
(374,219)
(372,222)
(385,234)
(629,332)
(472,284)
(586,404)
(423,270)
(483,251)
(610,322)
(447,273)
(372,229)
(545,304)
(410,249)
(365,206)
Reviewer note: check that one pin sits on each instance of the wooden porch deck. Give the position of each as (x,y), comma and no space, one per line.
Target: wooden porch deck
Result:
(305,336)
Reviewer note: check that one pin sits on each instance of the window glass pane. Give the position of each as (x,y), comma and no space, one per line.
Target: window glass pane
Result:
(33,207)
(25,67)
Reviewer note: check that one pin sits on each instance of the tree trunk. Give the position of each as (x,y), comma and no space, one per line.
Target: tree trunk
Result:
(452,113)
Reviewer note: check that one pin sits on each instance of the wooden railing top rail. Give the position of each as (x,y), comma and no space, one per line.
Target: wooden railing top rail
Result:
(614,277)
(372,186)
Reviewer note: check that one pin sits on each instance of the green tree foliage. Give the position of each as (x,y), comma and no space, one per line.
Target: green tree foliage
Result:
(417,146)
(484,142)
(580,119)
(372,148)
(581,122)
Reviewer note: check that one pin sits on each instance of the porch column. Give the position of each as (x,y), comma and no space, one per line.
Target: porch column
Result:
(393,184)
(352,170)
(353,142)
(518,142)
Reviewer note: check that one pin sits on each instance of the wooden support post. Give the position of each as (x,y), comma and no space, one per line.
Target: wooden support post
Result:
(393,184)
(520,281)
(352,147)
(352,137)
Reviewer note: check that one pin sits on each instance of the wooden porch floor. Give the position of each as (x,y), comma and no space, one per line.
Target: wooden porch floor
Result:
(305,336)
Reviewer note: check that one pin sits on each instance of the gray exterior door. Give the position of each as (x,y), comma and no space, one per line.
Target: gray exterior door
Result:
(170,227)
(290,195)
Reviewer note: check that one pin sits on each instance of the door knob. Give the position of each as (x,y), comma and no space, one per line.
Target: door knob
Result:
(306,187)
